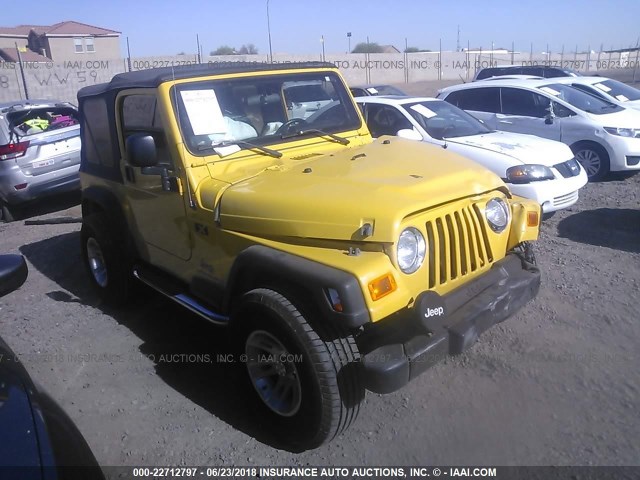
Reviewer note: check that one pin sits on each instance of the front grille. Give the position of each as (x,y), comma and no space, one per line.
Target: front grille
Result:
(565,199)
(457,245)
(568,169)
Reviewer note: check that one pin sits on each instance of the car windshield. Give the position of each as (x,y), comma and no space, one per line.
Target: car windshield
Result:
(579,99)
(618,90)
(387,90)
(441,120)
(263,110)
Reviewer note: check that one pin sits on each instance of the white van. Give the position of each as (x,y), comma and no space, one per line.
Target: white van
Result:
(604,136)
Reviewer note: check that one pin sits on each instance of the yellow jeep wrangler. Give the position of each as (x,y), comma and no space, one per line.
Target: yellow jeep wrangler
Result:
(254,196)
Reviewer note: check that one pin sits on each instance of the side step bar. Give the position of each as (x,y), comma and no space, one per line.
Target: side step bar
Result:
(175,291)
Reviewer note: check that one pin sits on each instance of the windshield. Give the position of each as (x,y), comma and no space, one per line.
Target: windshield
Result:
(262,110)
(579,99)
(385,90)
(441,120)
(618,90)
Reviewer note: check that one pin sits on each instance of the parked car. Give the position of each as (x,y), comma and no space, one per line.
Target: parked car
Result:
(39,440)
(603,136)
(607,89)
(338,264)
(373,90)
(543,71)
(39,152)
(533,167)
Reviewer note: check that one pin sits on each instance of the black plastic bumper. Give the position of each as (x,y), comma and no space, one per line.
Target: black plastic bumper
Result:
(402,347)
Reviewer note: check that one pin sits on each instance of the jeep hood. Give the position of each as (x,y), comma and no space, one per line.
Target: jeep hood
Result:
(333,196)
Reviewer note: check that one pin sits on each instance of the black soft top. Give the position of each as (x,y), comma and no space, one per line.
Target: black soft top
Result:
(153,77)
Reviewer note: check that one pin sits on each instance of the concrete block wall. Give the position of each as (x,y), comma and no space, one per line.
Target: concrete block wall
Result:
(63,80)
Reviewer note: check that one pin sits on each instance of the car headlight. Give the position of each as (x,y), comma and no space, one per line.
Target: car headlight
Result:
(529,173)
(497,213)
(411,250)
(623,132)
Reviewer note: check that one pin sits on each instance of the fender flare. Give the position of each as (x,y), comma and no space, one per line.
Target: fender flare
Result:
(258,263)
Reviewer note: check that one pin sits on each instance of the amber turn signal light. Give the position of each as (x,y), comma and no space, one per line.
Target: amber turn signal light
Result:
(532,219)
(382,286)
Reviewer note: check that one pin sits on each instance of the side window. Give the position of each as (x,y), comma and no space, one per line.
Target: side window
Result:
(385,120)
(139,115)
(524,102)
(561,111)
(477,99)
(96,133)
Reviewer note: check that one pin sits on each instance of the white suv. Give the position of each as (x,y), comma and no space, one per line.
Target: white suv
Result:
(603,136)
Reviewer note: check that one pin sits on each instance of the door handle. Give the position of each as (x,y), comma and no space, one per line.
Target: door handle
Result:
(505,121)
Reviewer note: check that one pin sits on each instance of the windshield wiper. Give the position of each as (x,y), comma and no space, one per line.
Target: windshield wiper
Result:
(228,143)
(341,140)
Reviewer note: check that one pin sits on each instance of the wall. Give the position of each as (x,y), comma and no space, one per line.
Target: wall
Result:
(10,42)
(62,49)
(61,80)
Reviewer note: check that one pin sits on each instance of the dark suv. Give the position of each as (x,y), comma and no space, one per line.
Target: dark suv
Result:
(543,71)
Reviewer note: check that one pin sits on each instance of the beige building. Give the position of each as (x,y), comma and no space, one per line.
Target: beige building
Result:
(64,41)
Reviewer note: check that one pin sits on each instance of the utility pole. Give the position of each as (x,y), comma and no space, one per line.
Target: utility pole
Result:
(24,79)
(349,42)
(458,43)
(269,33)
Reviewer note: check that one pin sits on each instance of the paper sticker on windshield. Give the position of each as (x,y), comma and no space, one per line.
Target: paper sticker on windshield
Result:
(602,87)
(372,90)
(550,91)
(424,111)
(622,98)
(203,111)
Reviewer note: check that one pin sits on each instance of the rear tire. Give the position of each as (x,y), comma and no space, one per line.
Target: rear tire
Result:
(105,261)
(593,158)
(7,215)
(314,395)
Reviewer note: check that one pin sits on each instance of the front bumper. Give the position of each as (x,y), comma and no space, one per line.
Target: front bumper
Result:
(552,195)
(623,153)
(401,347)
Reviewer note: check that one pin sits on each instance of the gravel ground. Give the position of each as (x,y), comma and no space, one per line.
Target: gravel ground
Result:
(558,383)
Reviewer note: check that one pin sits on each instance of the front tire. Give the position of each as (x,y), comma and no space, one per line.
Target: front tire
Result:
(306,377)
(593,158)
(105,260)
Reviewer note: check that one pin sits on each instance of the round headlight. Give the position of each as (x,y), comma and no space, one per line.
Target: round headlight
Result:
(497,213)
(411,250)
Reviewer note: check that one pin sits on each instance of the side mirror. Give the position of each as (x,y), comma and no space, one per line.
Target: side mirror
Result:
(13,273)
(548,119)
(141,150)
(409,134)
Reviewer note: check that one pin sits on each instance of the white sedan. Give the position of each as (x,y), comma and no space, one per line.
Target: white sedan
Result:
(532,167)
(605,88)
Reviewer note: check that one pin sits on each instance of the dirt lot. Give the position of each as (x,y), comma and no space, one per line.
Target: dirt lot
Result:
(557,384)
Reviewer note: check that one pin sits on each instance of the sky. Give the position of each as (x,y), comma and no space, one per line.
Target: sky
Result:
(170,27)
